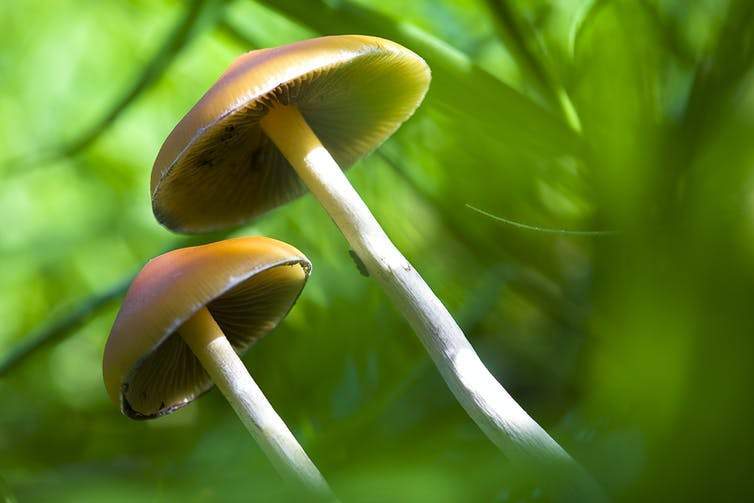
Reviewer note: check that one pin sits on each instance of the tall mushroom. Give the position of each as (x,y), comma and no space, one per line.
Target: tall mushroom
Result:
(311,109)
(185,320)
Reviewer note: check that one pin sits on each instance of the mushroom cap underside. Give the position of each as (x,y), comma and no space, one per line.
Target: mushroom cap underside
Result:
(247,284)
(218,169)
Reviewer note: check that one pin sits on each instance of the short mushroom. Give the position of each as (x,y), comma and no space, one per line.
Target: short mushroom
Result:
(185,320)
(312,109)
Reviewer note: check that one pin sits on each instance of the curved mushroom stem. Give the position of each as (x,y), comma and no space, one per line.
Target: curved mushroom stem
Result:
(219,359)
(485,400)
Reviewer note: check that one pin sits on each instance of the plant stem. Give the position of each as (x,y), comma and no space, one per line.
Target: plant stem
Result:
(485,400)
(219,359)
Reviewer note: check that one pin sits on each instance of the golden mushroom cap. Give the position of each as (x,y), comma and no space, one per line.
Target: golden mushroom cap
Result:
(217,168)
(248,285)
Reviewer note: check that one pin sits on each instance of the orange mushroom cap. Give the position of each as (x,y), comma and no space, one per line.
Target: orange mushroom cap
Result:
(248,285)
(218,169)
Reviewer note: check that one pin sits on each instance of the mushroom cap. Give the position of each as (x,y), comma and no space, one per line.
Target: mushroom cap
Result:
(218,169)
(248,285)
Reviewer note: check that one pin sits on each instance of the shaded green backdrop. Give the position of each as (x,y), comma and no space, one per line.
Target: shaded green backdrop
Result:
(634,349)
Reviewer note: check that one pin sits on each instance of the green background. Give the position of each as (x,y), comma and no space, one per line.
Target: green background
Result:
(633,348)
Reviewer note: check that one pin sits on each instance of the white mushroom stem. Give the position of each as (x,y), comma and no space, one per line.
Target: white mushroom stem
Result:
(219,359)
(485,400)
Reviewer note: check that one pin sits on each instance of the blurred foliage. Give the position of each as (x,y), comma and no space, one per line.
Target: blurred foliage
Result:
(633,349)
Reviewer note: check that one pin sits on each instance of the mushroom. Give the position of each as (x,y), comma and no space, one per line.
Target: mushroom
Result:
(185,320)
(302,113)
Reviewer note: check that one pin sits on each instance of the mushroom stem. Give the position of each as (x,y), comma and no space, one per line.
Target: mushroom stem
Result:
(485,400)
(207,341)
